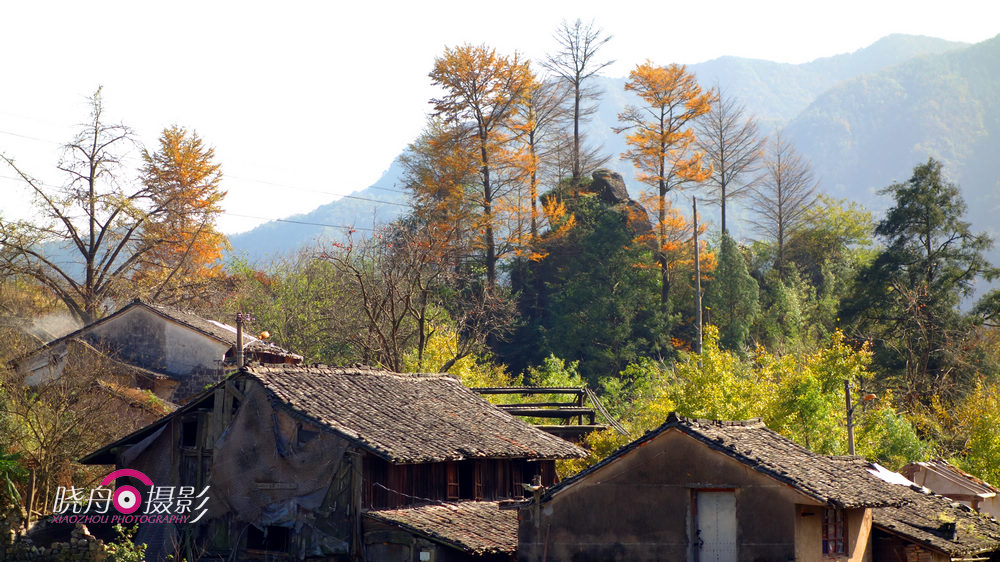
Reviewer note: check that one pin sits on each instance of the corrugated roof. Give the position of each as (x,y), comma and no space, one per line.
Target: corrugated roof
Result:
(753,444)
(408,418)
(475,527)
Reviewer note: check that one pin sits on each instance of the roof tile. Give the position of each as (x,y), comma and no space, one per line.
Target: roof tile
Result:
(476,527)
(408,418)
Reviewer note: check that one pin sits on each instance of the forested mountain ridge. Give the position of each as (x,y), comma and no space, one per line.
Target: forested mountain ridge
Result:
(777,92)
(867,132)
(774,92)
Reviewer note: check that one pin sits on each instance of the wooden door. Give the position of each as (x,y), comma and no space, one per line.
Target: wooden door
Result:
(716,526)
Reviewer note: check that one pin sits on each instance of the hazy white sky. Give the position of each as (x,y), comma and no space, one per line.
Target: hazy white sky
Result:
(307,100)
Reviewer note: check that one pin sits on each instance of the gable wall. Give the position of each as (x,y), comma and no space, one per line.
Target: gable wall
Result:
(640,508)
(151,341)
(953,487)
(44,366)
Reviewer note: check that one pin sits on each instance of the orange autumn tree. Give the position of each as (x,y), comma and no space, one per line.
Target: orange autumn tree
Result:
(540,116)
(440,170)
(660,140)
(481,92)
(678,240)
(183,177)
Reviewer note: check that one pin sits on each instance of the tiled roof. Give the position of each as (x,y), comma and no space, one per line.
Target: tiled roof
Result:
(939,523)
(268,348)
(219,331)
(753,444)
(475,527)
(407,418)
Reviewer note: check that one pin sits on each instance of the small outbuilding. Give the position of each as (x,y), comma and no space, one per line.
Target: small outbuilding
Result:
(948,480)
(174,353)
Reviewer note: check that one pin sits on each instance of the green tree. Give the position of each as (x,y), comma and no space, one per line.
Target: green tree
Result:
(783,311)
(798,394)
(907,300)
(589,299)
(732,297)
(978,417)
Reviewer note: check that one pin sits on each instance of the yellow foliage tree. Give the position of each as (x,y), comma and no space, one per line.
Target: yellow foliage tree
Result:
(183,177)
(673,237)
(797,395)
(482,91)
(660,139)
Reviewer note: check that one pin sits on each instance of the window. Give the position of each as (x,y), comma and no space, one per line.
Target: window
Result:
(268,539)
(189,432)
(453,491)
(833,531)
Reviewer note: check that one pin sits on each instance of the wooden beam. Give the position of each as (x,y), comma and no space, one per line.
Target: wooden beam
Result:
(526,390)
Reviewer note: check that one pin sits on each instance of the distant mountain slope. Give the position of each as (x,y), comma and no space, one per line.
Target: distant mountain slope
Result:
(277,238)
(775,92)
(870,131)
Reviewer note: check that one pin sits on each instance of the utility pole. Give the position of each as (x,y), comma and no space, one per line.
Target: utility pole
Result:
(241,317)
(850,413)
(697,276)
(850,417)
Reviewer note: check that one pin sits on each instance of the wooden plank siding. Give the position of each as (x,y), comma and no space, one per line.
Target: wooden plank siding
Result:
(391,486)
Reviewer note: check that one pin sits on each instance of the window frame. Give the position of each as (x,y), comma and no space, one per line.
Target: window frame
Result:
(834,532)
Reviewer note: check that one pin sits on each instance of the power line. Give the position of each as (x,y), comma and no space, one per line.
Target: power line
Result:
(389,189)
(292,221)
(29,137)
(301,222)
(286,186)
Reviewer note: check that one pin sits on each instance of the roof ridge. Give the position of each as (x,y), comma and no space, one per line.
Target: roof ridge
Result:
(353,368)
(674,417)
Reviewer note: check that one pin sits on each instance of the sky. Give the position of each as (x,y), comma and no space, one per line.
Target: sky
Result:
(313,100)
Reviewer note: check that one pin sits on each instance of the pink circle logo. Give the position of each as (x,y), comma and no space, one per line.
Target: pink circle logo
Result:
(126,498)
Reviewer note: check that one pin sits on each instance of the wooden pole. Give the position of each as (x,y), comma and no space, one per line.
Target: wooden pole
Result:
(239,341)
(850,421)
(697,277)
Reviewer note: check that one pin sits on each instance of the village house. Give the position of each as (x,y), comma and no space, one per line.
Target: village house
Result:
(736,491)
(948,480)
(170,352)
(341,463)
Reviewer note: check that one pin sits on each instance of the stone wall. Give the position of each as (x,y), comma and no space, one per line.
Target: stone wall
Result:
(81,546)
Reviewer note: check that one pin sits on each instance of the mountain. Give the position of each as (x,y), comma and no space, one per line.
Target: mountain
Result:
(812,98)
(777,92)
(867,132)
(361,210)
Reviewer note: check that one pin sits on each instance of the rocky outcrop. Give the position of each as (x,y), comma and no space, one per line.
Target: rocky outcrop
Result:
(610,189)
